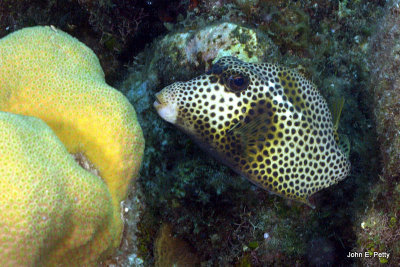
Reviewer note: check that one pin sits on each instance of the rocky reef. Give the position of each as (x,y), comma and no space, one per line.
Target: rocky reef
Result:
(378,228)
(223,216)
(192,202)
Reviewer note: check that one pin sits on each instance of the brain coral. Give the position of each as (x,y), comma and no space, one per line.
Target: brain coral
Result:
(46,73)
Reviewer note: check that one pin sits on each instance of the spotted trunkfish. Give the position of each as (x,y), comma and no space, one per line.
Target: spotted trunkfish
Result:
(267,122)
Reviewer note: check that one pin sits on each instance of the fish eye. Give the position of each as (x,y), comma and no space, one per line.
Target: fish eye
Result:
(237,82)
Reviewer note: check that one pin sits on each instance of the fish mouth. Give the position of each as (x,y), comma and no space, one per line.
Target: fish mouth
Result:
(158,103)
(166,110)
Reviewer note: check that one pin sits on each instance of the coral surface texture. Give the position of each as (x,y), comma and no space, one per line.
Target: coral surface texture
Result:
(55,209)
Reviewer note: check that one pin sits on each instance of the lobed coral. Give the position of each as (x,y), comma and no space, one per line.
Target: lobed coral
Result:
(47,74)
(49,205)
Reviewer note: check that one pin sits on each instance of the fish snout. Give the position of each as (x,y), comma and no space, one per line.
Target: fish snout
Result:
(166,109)
(158,101)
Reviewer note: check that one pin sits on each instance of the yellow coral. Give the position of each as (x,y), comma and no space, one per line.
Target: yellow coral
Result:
(46,73)
(48,203)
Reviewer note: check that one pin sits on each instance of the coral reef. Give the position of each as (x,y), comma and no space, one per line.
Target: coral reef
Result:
(384,64)
(378,228)
(224,217)
(291,23)
(50,75)
(227,220)
(132,210)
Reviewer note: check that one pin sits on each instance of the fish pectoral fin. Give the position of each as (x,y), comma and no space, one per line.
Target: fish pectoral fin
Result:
(252,134)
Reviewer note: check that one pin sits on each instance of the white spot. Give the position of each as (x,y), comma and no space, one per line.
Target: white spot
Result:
(363,225)
(266,236)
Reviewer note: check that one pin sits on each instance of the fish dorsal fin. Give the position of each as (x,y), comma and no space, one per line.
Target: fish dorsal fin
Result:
(337,108)
(341,139)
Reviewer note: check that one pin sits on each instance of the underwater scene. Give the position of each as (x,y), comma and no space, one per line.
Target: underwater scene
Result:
(241,133)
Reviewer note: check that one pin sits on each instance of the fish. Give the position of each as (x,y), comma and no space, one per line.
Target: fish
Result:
(265,121)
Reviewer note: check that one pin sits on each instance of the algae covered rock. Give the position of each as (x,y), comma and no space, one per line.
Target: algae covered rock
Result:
(385,68)
(225,39)
(173,251)
(378,228)
(200,48)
